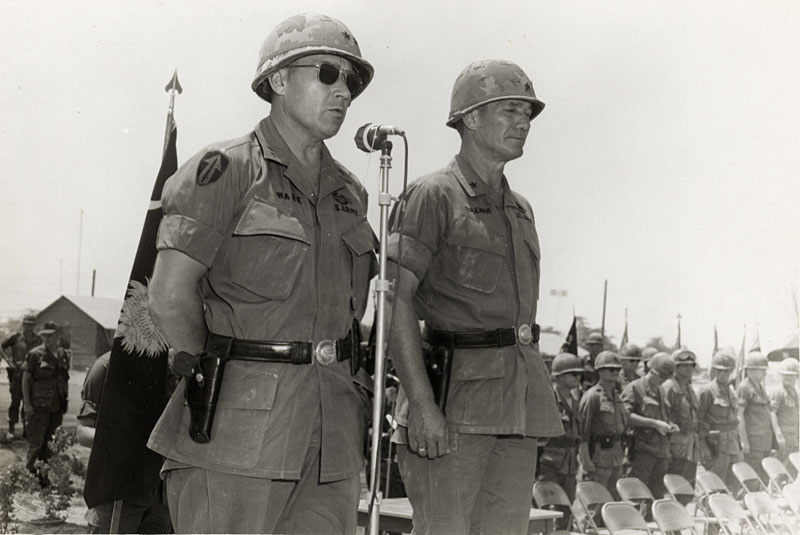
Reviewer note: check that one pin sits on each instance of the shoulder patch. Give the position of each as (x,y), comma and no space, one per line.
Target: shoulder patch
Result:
(211,167)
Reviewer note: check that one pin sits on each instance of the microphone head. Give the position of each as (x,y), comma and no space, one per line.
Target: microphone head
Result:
(366,137)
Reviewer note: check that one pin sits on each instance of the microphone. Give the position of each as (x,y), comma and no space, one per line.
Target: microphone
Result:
(370,135)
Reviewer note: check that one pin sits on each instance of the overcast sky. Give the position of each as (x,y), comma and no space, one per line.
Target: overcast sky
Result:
(666,160)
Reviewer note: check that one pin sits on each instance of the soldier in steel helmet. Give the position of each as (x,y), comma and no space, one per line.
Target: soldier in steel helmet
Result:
(647,354)
(758,425)
(264,261)
(631,356)
(784,404)
(470,270)
(594,345)
(683,410)
(603,418)
(15,348)
(559,458)
(649,454)
(718,419)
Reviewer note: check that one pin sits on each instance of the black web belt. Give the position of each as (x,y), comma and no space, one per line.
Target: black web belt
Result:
(325,352)
(524,334)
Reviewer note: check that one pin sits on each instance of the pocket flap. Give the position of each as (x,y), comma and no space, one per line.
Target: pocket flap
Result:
(248,385)
(478,364)
(261,218)
(360,239)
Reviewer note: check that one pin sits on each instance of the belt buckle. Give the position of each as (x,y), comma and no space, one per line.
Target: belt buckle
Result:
(325,352)
(524,334)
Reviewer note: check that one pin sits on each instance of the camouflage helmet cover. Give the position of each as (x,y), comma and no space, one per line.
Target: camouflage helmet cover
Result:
(595,338)
(566,363)
(662,364)
(29,319)
(684,356)
(648,352)
(790,366)
(488,81)
(630,352)
(607,359)
(303,35)
(755,361)
(724,359)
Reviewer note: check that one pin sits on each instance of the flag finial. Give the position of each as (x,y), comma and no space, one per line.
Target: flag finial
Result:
(174,84)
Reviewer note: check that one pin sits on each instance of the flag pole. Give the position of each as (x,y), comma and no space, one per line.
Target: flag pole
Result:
(173,88)
(603,324)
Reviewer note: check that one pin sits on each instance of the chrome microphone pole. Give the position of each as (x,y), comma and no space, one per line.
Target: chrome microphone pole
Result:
(381,287)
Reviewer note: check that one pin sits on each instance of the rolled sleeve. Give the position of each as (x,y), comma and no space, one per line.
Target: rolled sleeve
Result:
(416,257)
(190,237)
(87,413)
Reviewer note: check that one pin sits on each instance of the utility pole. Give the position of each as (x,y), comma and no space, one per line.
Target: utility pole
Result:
(605,294)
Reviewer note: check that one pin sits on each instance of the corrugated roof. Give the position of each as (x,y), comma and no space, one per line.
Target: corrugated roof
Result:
(103,310)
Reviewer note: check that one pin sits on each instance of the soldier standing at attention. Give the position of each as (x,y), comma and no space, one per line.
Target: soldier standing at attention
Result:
(683,409)
(784,405)
(649,417)
(631,355)
(757,423)
(18,345)
(594,345)
(718,420)
(559,459)
(263,267)
(470,270)
(602,419)
(647,354)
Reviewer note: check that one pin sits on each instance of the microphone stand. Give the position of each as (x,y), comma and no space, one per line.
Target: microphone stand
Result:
(381,287)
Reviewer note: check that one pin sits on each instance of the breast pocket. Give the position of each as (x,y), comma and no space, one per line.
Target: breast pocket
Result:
(362,243)
(267,250)
(473,256)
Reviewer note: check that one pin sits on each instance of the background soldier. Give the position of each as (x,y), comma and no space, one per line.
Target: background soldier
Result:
(45,389)
(602,419)
(631,355)
(647,354)
(470,269)
(649,417)
(683,409)
(757,423)
(784,403)
(594,345)
(264,260)
(559,459)
(718,420)
(16,347)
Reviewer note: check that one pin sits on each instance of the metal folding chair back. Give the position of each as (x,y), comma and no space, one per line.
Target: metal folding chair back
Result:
(728,512)
(791,494)
(679,488)
(778,475)
(633,489)
(623,516)
(710,483)
(794,458)
(671,517)
(549,495)
(747,477)
(766,513)
(592,496)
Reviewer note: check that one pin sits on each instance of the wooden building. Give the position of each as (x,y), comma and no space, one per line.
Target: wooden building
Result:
(88,324)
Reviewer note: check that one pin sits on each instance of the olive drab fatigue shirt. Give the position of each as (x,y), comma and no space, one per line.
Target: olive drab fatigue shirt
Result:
(718,412)
(784,405)
(49,379)
(753,398)
(477,261)
(641,398)
(601,415)
(683,409)
(285,263)
(556,454)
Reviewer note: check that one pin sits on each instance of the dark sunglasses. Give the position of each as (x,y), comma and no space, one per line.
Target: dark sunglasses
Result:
(329,73)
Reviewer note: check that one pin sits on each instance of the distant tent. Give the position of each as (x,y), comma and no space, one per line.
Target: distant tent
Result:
(789,349)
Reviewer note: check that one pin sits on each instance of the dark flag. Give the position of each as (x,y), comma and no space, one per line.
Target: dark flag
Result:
(135,389)
(570,345)
(624,339)
(678,339)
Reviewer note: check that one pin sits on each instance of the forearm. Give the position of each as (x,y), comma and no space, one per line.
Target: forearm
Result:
(26,390)
(742,429)
(637,420)
(85,435)
(773,420)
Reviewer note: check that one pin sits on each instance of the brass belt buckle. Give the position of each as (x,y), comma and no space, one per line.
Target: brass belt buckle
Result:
(524,334)
(325,352)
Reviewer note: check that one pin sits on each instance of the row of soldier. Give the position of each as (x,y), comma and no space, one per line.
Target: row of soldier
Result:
(655,421)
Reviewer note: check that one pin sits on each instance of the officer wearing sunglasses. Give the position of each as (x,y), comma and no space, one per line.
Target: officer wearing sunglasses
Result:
(264,262)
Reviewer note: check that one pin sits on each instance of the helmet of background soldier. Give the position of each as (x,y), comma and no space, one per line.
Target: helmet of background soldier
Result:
(50,327)
(648,352)
(29,319)
(630,352)
(790,366)
(488,81)
(607,359)
(755,361)
(684,356)
(595,338)
(304,35)
(662,364)
(724,359)
(566,363)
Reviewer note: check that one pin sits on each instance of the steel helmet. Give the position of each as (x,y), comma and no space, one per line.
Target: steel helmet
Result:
(662,364)
(595,338)
(488,81)
(566,363)
(755,361)
(304,35)
(648,352)
(607,359)
(29,319)
(790,366)
(723,359)
(684,356)
(630,352)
